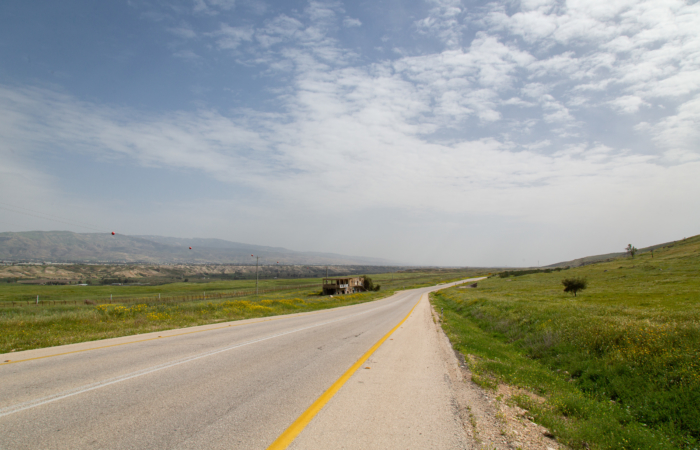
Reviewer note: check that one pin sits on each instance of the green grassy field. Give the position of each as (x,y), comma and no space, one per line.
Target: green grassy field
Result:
(17,292)
(26,327)
(618,365)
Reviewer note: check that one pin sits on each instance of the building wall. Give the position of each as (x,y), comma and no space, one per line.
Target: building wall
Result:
(344,286)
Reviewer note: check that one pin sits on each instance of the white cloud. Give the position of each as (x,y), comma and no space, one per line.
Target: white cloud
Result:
(365,133)
(187,54)
(319,11)
(543,6)
(538,145)
(212,7)
(680,133)
(281,29)
(57,122)
(628,103)
(444,22)
(201,7)
(229,38)
(465,82)
(562,64)
(642,126)
(349,22)
(223,4)
(516,101)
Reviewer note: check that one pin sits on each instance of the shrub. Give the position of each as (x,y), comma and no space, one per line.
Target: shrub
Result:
(574,284)
(369,284)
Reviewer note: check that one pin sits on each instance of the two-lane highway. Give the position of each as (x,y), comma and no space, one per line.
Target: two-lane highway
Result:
(230,385)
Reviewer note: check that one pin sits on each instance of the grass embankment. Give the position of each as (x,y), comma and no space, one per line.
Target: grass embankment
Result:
(28,327)
(618,365)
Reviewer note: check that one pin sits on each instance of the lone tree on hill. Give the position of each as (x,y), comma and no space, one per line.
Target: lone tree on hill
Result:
(574,284)
(631,250)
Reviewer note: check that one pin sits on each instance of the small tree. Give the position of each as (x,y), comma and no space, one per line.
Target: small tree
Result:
(631,250)
(574,284)
(369,284)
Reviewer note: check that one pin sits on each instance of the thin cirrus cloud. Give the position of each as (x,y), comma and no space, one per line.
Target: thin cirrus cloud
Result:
(506,119)
(38,120)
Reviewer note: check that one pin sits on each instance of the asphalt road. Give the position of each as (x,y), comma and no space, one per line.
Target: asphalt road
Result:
(230,385)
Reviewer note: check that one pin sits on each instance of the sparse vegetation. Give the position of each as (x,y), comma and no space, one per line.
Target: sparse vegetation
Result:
(618,368)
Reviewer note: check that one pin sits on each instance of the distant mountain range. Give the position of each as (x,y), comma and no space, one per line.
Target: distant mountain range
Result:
(65,246)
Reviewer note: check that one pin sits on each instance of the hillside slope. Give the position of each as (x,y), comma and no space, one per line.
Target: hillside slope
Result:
(613,367)
(606,257)
(65,246)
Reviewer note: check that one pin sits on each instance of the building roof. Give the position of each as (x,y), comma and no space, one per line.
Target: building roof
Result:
(343,278)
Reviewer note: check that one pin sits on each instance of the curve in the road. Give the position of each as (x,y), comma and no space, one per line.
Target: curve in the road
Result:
(119,396)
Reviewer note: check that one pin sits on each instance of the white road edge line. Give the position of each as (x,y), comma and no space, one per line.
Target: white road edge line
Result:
(100,384)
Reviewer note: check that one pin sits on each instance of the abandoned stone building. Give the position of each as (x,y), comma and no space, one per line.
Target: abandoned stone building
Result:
(346,285)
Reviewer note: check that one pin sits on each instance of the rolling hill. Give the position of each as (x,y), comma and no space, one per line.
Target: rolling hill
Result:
(66,246)
(606,257)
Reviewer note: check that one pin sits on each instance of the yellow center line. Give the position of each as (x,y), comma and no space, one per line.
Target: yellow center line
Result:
(291,433)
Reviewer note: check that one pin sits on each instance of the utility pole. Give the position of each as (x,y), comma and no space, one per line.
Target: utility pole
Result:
(257,258)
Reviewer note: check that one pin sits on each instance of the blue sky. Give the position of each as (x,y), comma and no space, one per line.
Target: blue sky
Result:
(425,132)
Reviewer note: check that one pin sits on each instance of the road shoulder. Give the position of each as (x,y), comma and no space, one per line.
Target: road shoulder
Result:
(490,420)
(415,391)
(402,397)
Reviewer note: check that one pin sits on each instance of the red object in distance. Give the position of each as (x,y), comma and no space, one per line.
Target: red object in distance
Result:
(190,248)
(112,233)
